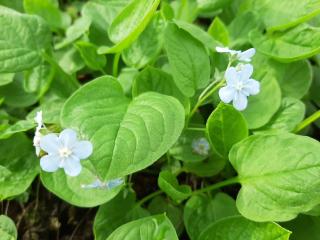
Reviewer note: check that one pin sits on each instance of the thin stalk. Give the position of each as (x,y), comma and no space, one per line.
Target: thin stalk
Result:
(196,129)
(217,185)
(115,66)
(306,122)
(148,197)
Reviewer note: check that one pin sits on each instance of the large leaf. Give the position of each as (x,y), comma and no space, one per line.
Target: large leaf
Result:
(243,229)
(263,106)
(277,15)
(201,210)
(279,174)
(17,168)
(126,136)
(149,228)
(294,44)
(226,126)
(129,24)
(188,60)
(23,37)
(147,46)
(120,210)
(8,229)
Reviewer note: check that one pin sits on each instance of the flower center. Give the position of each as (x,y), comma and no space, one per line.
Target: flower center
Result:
(239,86)
(65,152)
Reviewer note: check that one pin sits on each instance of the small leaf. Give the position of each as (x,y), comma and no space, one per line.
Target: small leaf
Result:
(279,175)
(188,60)
(8,229)
(170,185)
(88,52)
(219,31)
(242,229)
(226,126)
(149,228)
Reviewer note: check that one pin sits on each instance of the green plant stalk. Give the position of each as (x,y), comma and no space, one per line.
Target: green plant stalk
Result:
(115,66)
(217,185)
(306,122)
(149,197)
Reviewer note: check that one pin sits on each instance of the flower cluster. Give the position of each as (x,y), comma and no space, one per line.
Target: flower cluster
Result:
(201,146)
(239,84)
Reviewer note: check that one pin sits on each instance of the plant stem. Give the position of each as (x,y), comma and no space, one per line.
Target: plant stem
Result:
(217,185)
(115,66)
(150,196)
(196,129)
(204,98)
(306,122)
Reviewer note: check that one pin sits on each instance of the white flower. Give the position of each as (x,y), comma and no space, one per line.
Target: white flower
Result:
(201,146)
(37,134)
(98,184)
(239,86)
(239,55)
(64,151)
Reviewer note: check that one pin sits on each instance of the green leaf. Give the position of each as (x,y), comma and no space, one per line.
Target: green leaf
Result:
(20,126)
(8,229)
(129,24)
(185,10)
(147,46)
(126,78)
(188,60)
(120,210)
(156,80)
(294,78)
(201,210)
(314,89)
(70,188)
(160,205)
(21,50)
(242,229)
(48,10)
(149,228)
(126,136)
(209,7)
(70,60)
(6,78)
(226,126)
(279,174)
(289,115)
(170,185)
(88,52)
(294,44)
(304,227)
(15,95)
(263,106)
(18,168)
(278,16)
(219,31)
(183,149)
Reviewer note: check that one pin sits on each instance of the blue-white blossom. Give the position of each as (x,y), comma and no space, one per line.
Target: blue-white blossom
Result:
(98,184)
(244,56)
(64,151)
(37,134)
(239,86)
(201,146)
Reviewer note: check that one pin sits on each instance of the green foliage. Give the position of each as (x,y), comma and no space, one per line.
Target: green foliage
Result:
(8,230)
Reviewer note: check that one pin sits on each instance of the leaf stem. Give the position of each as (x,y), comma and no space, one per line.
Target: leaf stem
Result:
(115,66)
(217,185)
(196,129)
(148,197)
(306,122)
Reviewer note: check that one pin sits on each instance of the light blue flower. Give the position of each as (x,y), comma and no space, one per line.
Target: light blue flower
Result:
(64,151)
(37,134)
(201,146)
(239,86)
(244,56)
(98,184)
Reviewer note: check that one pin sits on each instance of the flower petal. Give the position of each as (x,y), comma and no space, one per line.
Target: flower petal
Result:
(231,75)
(247,55)
(68,137)
(240,101)
(72,166)
(226,94)
(252,87)
(50,163)
(82,149)
(223,50)
(246,72)
(50,143)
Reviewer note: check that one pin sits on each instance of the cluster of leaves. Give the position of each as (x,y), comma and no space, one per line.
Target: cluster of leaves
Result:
(148,63)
